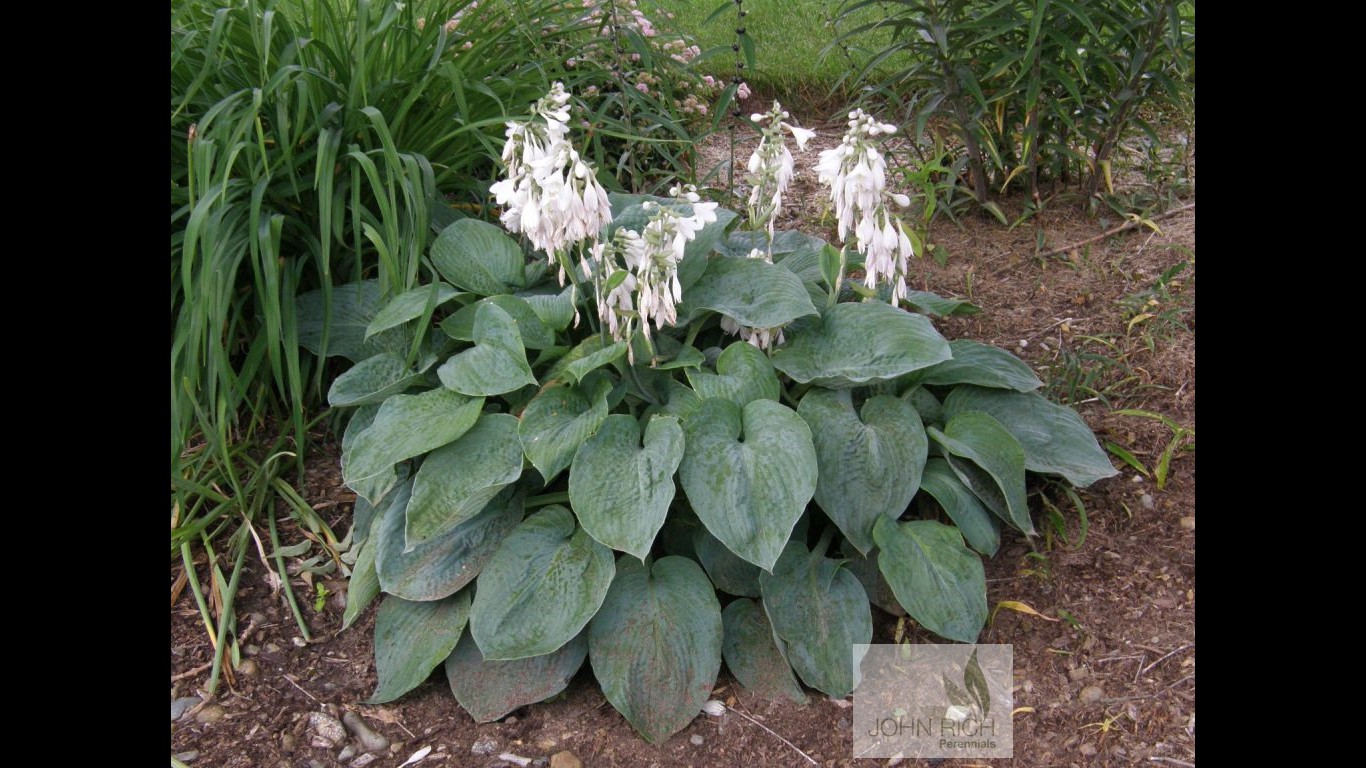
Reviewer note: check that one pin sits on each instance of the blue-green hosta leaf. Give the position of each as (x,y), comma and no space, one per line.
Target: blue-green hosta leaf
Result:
(859,343)
(541,587)
(935,304)
(410,305)
(443,565)
(990,462)
(556,310)
(478,257)
(620,490)
(864,568)
(727,570)
(490,689)
(935,577)
(679,400)
(371,491)
(497,362)
(753,656)
(534,333)
(372,381)
(655,646)
(748,474)
(743,374)
(977,363)
(353,307)
(870,465)
(926,404)
(457,480)
(795,251)
(978,526)
(363,587)
(751,291)
(407,426)
(556,422)
(820,611)
(587,357)
(411,638)
(1054,437)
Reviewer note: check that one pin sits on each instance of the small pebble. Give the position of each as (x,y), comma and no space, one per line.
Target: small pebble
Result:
(484,746)
(1087,749)
(348,752)
(370,741)
(696,740)
(212,713)
(540,762)
(188,757)
(271,648)
(1188,522)
(316,764)
(545,745)
(1077,674)
(510,721)
(327,730)
(565,759)
(251,650)
(182,705)
(248,668)
(299,642)
(1091,693)
(288,743)
(1138,478)
(256,618)
(363,760)
(1147,501)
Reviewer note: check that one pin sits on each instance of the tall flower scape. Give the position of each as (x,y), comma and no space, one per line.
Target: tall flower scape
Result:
(552,196)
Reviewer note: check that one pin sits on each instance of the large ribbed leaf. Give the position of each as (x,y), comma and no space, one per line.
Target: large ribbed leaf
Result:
(410,305)
(870,465)
(371,491)
(408,426)
(490,689)
(727,570)
(935,577)
(977,363)
(411,638)
(479,257)
(540,588)
(592,353)
(556,422)
(656,644)
(497,362)
(556,310)
(935,304)
(864,568)
(860,343)
(820,611)
(753,292)
(979,527)
(534,333)
(748,474)
(1054,437)
(752,654)
(621,490)
(743,374)
(372,380)
(363,586)
(990,462)
(457,480)
(442,565)
(352,307)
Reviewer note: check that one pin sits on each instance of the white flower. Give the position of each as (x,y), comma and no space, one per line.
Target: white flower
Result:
(771,168)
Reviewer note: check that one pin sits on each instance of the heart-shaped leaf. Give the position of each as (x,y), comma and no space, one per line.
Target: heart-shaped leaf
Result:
(372,380)
(728,571)
(457,480)
(1054,437)
(859,343)
(540,588)
(343,314)
(411,638)
(977,363)
(556,422)
(370,491)
(926,404)
(620,490)
(753,292)
(994,469)
(869,467)
(533,332)
(864,568)
(820,611)
(406,426)
(490,689)
(410,305)
(655,646)
(587,357)
(748,474)
(934,304)
(752,655)
(555,310)
(479,257)
(935,577)
(497,362)
(442,565)
(363,586)
(743,374)
(978,526)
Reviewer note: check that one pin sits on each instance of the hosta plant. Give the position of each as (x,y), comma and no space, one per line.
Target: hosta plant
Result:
(652,440)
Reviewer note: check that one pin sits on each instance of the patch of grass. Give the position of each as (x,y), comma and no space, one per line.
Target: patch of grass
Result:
(792,39)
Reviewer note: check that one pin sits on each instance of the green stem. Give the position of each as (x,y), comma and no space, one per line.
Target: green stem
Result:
(823,543)
(229,597)
(198,591)
(284,578)
(546,499)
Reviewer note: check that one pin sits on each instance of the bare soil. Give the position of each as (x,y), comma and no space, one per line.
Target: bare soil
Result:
(1105,676)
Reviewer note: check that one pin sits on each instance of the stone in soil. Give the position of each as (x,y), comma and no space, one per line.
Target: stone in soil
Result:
(211,713)
(182,705)
(1091,693)
(565,759)
(696,740)
(370,741)
(327,730)
(188,757)
(364,760)
(1087,749)
(485,746)
(348,752)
